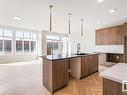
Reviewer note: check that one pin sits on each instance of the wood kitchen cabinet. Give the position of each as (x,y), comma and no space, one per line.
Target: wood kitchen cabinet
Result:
(108,36)
(60,73)
(112,88)
(55,74)
(112,35)
(89,64)
(83,66)
(75,67)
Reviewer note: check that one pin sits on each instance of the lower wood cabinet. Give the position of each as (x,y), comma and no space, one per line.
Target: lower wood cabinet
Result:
(60,74)
(89,64)
(83,66)
(55,74)
(112,88)
(75,67)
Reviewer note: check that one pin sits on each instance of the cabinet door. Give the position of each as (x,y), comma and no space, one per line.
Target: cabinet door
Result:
(91,64)
(119,38)
(95,63)
(98,37)
(112,88)
(75,67)
(110,36)
(84,66)
(60,73)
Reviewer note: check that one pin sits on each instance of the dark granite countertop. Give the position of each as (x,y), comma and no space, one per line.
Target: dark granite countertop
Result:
(63,56)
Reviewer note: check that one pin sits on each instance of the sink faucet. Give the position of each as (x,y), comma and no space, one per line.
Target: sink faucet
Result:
(78,48)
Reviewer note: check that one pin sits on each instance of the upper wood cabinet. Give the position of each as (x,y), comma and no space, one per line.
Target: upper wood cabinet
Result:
(111,36)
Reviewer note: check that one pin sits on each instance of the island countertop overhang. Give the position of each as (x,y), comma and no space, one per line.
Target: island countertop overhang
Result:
(63,56)
(117,73)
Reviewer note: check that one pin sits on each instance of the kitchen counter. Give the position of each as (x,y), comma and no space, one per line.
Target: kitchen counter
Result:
(63,56)
(117,73)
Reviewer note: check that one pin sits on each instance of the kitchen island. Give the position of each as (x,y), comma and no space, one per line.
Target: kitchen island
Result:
(56,69)
(113,79)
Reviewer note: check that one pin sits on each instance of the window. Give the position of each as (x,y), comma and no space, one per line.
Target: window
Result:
(1,41)
(33,42)
(53,45)
(5,41)
(26,42)
(64,45)
(57,45)
(19,42)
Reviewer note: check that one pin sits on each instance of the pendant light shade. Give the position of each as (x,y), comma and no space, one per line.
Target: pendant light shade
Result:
(82,24)
(50,17)
(69,23)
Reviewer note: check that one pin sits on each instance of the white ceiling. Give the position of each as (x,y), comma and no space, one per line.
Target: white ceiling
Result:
(34,13)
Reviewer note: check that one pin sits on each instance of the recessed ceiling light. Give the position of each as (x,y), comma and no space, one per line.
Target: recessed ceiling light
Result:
(17,18)
(112,10)
(100,1)
(99,22)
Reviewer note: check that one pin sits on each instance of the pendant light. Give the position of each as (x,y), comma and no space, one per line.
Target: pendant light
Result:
(50,17)
(82,24)
(69,23)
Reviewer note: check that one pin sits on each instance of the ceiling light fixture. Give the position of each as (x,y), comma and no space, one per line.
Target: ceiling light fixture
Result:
(82,24)
(17,18)
(99,22)
(112,10)
(100,1)
(50,17)
(69,23)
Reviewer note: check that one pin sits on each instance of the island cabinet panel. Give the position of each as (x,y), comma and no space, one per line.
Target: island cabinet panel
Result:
(85,66)
(60,73)
(112,88)
(89,64)
(94,64)
(55,74)
(75,67)
(47,74)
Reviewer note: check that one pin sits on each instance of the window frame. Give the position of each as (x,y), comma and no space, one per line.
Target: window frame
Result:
(30,39)
(3,36)
(13,41)
(60,40)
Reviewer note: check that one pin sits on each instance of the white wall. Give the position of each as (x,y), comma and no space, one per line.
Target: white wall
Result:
(88,43)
